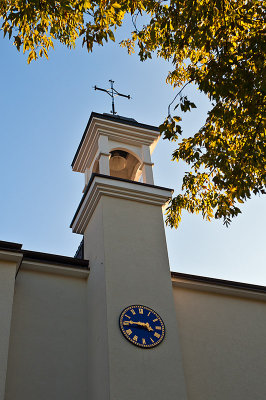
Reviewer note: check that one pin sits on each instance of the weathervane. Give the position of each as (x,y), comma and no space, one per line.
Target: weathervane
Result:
(113,93)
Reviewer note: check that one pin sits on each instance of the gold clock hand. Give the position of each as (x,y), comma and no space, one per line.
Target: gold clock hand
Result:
(146,324)
(128,322)
(133,323)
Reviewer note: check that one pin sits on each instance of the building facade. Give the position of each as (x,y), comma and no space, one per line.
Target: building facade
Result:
(113,323)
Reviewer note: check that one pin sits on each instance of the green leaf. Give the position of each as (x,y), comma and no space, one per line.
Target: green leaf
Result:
(111,36)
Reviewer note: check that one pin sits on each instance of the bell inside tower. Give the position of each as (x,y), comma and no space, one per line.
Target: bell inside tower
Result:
(124,165)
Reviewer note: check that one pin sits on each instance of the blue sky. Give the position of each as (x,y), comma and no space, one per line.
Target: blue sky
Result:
(44,109)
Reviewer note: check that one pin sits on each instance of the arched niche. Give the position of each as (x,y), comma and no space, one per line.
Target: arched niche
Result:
(124,164)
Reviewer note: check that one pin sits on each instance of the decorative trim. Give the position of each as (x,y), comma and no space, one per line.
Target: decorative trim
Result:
(108,186)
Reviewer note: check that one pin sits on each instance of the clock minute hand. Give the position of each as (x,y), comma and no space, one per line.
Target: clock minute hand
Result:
(134,323)
(128,322)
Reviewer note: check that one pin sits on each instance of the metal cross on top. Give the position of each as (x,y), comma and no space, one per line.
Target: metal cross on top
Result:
(113,93)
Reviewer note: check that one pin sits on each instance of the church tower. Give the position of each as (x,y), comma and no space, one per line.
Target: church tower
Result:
(134,350)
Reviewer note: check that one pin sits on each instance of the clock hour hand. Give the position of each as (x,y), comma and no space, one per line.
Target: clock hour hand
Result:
(148,326)
(144,324)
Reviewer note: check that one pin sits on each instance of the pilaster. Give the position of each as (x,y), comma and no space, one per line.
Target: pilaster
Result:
(9,263)
(125,242)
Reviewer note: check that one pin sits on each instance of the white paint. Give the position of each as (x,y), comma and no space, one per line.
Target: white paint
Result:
(147,165)
(125,242)
(104,164)
(7,282)
(103,136)
(119,189)
(88,173)
(223,339)
(147,173)
(48,352)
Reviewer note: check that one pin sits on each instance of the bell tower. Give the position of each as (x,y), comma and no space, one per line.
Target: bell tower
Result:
(120,216)
(118,147)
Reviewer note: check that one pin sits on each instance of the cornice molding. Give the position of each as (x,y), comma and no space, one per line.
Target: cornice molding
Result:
(226,288)
(28,265)
(11,253)
(118,188)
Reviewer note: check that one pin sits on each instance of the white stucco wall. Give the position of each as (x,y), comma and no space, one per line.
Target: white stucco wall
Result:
(223,341)
(48,348)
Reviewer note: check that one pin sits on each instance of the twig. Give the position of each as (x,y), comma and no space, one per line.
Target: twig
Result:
(169,113)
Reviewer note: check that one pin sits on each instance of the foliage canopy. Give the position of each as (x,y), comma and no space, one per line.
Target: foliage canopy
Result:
(218,45)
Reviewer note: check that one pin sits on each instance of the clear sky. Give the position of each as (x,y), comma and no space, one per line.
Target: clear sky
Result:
(44,110)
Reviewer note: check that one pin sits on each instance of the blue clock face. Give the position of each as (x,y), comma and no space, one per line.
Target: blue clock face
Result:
(142,326)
